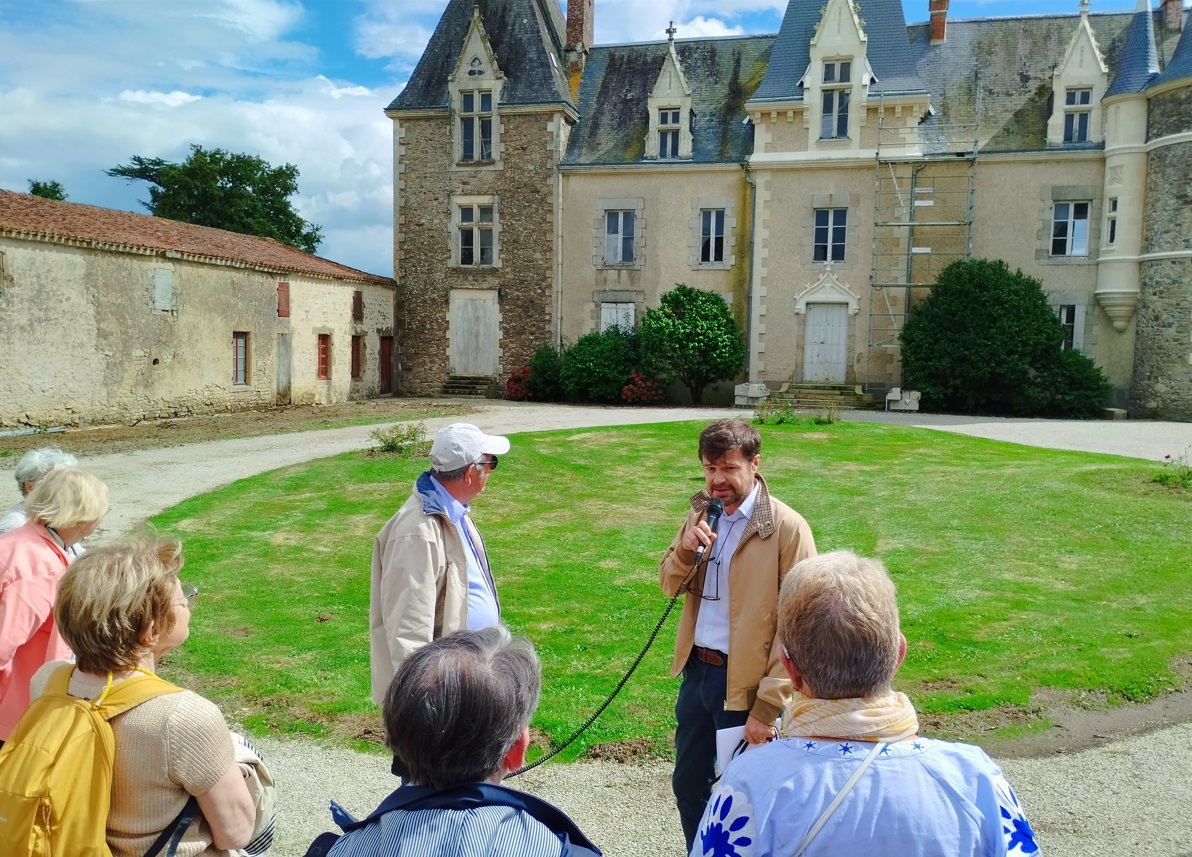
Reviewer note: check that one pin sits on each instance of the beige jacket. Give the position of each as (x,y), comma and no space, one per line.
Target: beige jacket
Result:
(775,539)
(418,590)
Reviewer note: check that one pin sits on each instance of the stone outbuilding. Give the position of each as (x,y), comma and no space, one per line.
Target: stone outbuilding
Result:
(114,317)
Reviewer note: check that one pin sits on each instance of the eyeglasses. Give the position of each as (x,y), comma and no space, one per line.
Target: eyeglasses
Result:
(191,593)
(491,463)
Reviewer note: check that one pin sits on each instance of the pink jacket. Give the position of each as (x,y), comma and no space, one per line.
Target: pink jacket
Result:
(31,563)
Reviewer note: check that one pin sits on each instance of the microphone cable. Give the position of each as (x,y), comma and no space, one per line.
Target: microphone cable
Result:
(624,679)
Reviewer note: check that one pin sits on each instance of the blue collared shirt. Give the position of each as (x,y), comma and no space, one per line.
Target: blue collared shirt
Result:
(712,622)
(482,601)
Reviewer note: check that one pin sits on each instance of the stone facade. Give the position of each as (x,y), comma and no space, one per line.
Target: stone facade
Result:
(96,335)
(524,192)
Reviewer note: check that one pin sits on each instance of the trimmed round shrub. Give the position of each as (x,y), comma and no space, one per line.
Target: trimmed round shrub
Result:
(596,368)
(985,340)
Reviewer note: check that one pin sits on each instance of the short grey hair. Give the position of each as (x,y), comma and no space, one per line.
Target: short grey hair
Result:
(453,475)
(458,705)
(36,463)
(838,619)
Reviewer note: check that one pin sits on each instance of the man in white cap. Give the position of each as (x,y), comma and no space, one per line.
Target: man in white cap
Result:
(430,572)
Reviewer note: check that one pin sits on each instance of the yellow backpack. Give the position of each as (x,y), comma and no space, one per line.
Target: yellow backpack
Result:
(56,769)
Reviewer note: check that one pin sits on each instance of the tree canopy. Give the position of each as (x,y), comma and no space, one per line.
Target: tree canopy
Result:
(47,189)
(692,337)
(987,341)
(238,192)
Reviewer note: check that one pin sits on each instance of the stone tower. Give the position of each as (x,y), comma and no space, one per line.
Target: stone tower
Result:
(478,133)
(1162,385)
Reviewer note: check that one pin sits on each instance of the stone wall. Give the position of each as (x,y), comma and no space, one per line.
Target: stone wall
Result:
(1162,385)
(96,337)
(523,276)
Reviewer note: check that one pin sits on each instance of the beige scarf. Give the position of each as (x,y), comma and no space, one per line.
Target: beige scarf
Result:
(885,717)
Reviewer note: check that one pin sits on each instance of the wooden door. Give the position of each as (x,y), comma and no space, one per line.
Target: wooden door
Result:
(474,332)
(825,346)
(386,367)
(282,371)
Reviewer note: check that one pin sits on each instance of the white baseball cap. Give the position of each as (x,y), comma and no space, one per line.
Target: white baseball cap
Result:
(461,444)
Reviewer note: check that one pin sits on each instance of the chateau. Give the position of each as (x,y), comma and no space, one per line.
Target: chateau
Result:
(818,179)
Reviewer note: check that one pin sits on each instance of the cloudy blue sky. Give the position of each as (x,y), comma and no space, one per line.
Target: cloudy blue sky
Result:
(87,84)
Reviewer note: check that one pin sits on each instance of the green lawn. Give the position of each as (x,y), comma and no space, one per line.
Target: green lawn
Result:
(1017,569)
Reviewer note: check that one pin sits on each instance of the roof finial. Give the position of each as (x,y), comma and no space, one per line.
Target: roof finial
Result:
(1084,8)
(670,31)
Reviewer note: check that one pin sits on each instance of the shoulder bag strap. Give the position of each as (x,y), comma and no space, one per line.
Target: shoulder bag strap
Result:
(840,796)
(173,833)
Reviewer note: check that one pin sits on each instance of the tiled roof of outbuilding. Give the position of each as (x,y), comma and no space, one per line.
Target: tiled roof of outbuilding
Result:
(523,34)
(614,118)
(1181,62)
(887,50)
(25,216)
(1140,58)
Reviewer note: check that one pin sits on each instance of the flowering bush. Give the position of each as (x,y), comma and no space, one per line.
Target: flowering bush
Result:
(517,385)
(641,390)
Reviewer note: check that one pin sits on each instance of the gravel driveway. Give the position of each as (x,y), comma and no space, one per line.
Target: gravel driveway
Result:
(1130,796)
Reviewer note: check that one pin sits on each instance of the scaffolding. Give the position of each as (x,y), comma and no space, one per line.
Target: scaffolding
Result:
(924,185)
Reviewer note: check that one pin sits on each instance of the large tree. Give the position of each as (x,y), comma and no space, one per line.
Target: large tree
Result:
(986,341)
(692,337)
(48,189)
(238,192)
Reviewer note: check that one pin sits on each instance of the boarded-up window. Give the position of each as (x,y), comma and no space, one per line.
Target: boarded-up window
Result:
(357,305)
(323,370)
(163,290)
(357,355)
(283,300)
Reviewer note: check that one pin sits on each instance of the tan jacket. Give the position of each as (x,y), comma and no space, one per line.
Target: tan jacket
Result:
(775,539)
(418,590)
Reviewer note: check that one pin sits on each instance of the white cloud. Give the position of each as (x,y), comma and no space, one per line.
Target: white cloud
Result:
(169,99)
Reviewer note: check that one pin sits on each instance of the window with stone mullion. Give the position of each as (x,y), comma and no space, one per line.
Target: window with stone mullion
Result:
(476,126)
(475,235)
(835,99)
(1070,229)
(712,235)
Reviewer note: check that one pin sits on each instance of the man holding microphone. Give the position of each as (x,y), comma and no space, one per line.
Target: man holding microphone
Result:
(730,569)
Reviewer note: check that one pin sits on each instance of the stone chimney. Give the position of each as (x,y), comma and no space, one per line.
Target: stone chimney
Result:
(1173,14)
(939,20)
(579,39)
(579,23)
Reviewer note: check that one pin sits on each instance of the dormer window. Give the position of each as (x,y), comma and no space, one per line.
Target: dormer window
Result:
(837,86)
(476,125)
(1077,112)
(668,133)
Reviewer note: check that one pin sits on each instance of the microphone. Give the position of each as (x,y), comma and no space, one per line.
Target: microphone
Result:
(715,510)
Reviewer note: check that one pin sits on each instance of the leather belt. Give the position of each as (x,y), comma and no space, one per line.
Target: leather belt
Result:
(712,657)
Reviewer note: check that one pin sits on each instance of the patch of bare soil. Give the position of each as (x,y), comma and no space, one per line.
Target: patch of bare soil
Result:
(85,442)
(634,750)
(1080,720)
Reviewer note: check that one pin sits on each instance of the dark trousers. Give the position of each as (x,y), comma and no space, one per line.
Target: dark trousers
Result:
(699,712)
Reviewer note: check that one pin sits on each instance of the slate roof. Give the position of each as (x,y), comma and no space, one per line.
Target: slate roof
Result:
(998,71)
(614,118)
(523,34)
(1181,62)
(1140,57)
(31,217)
(887,49)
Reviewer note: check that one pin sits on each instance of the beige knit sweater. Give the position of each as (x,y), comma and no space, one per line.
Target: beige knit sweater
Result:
(166,749)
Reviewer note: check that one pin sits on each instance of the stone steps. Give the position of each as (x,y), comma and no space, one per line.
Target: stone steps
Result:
(812,396)
(466,386)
